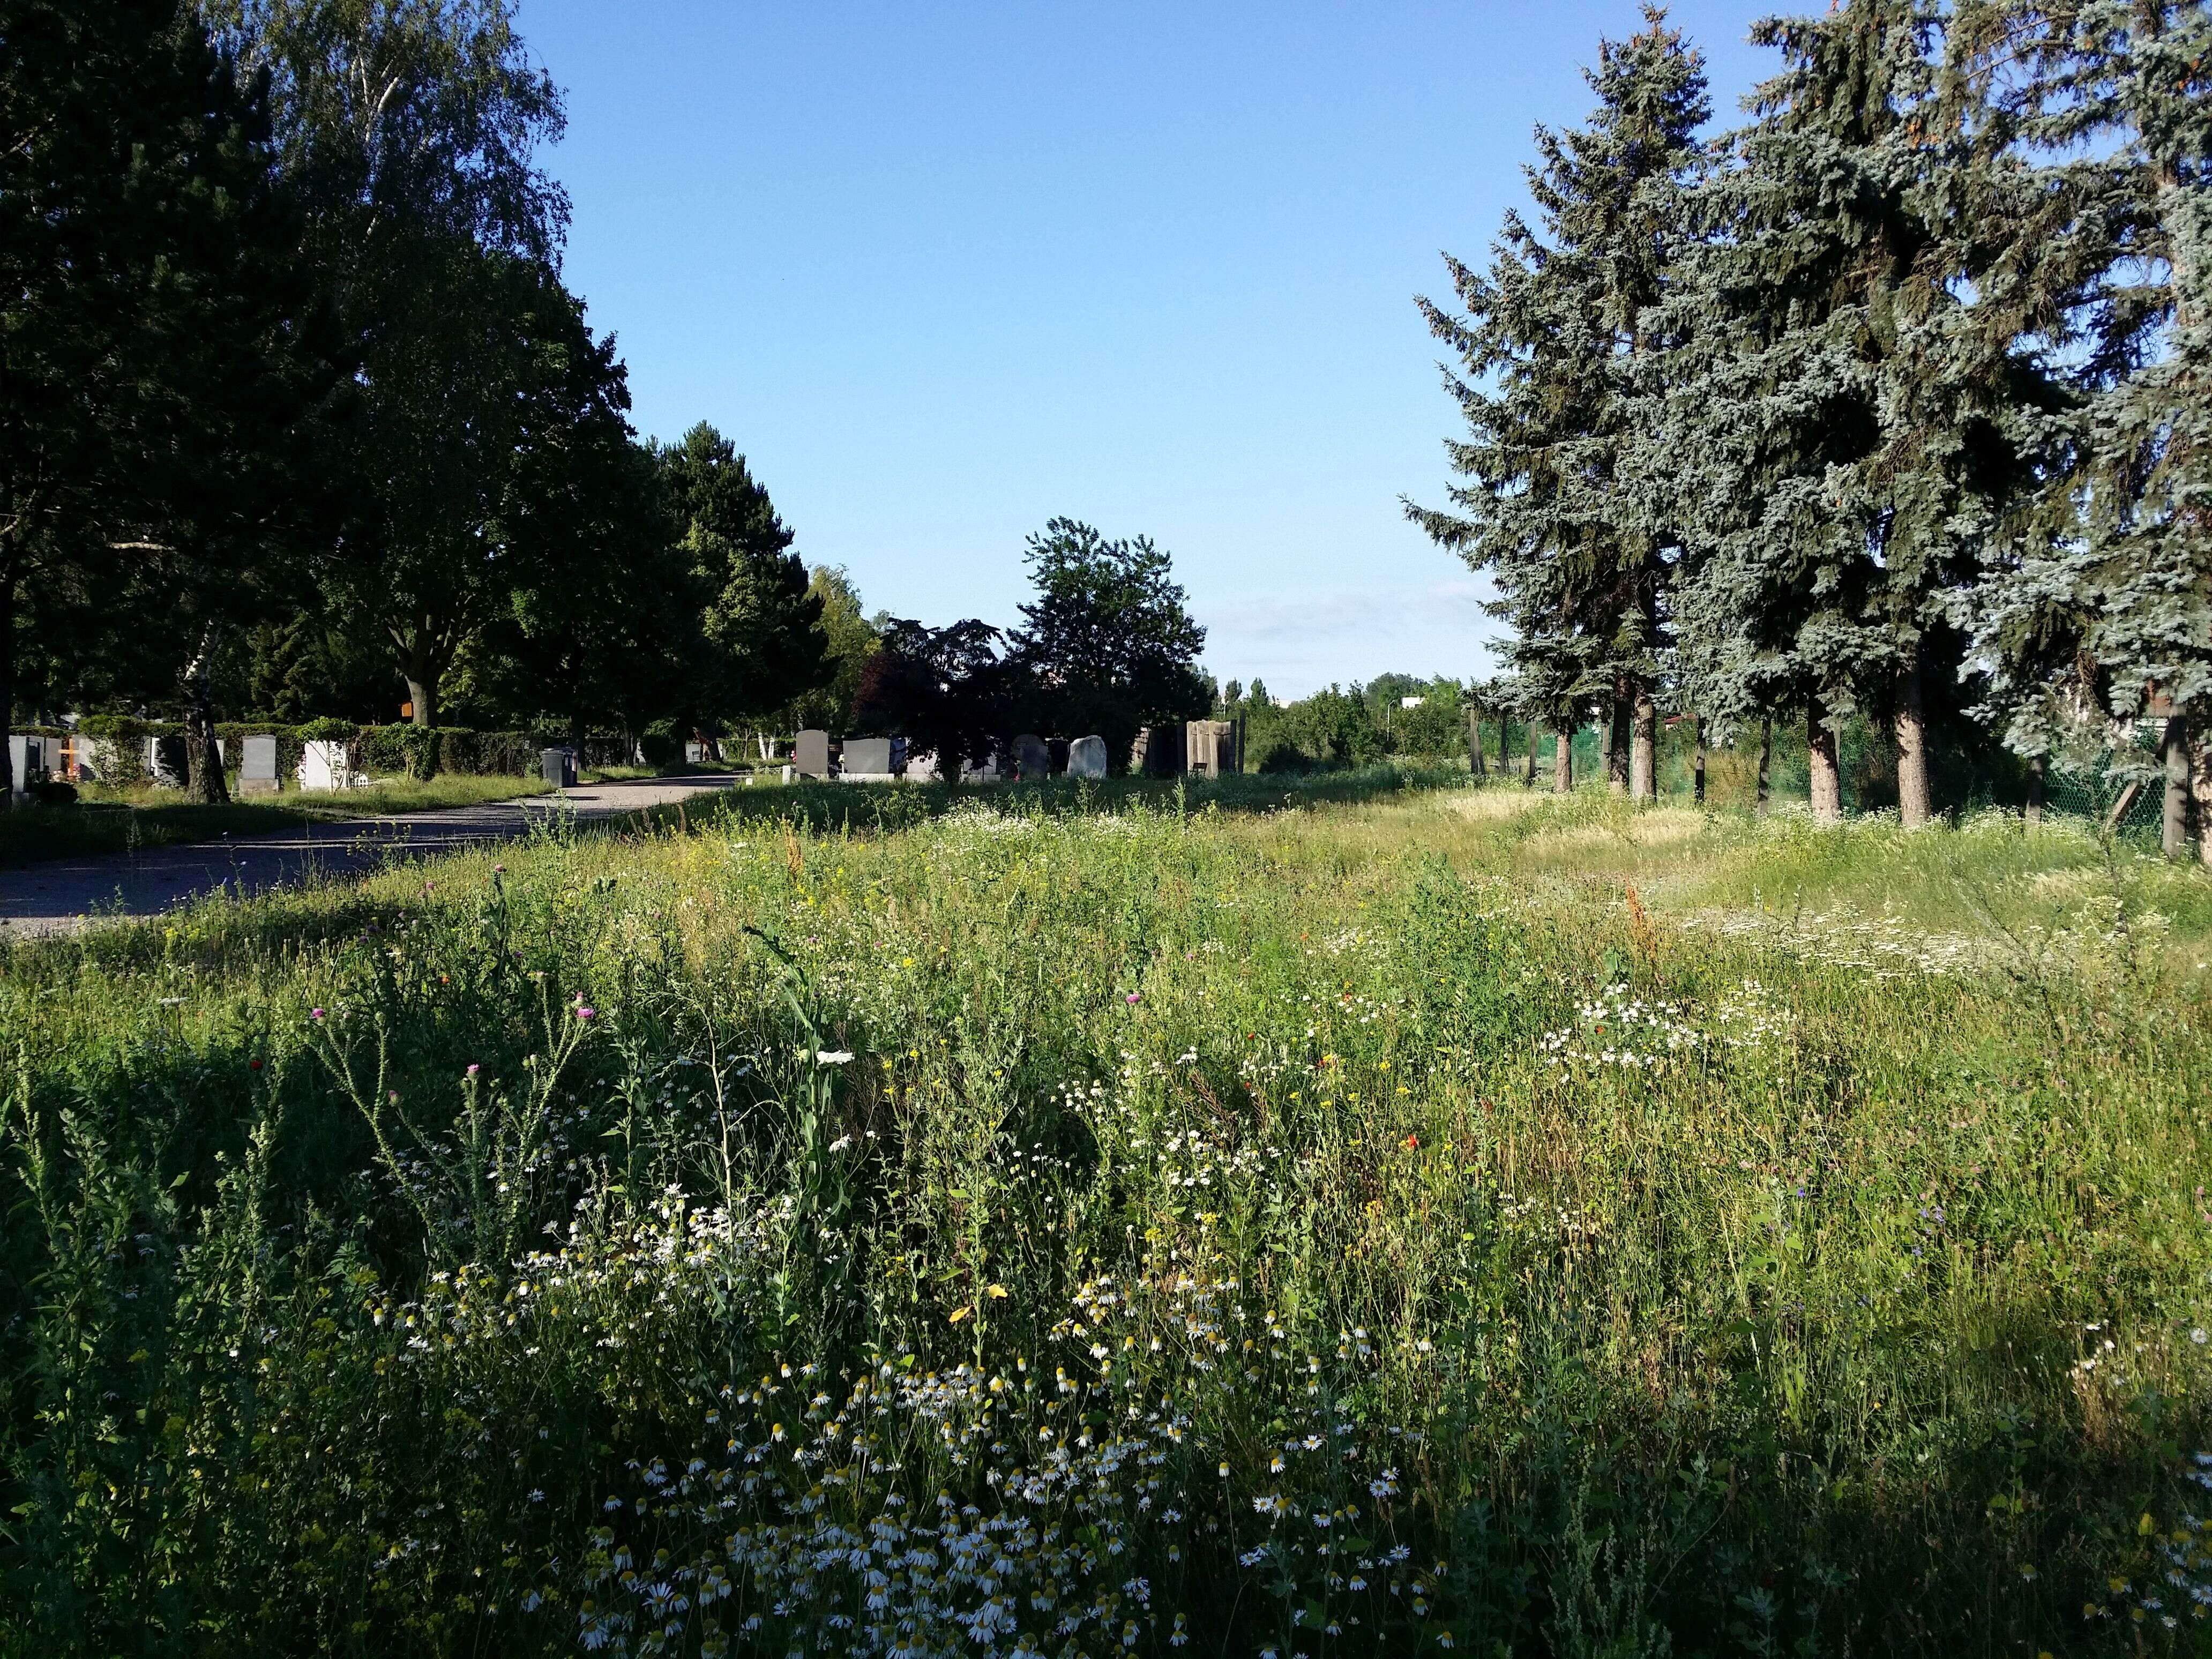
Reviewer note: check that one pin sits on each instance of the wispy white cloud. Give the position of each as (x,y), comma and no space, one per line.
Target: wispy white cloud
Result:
(1299,644)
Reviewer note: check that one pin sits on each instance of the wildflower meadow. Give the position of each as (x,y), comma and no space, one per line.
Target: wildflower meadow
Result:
(1299,1220)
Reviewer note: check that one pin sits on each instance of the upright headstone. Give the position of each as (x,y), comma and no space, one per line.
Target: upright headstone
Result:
(921,768)
(983,771)
(20,749)
(866,760)
(257,772)
(167,764)
(810,755)
(1031,758)
(322,765)
(1086,757)
(1160,751)
(1210,748)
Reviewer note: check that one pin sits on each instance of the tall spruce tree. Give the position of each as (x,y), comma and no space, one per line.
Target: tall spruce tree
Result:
(1549,342)
(1849,439)
(2097,603)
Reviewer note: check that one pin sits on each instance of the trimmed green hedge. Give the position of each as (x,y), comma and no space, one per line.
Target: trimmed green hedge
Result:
(379,751)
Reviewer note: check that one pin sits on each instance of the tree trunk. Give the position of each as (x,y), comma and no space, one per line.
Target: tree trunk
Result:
(2200,789)
(1697,766)
(6,690)
(2175,826)
(1616,742)
(1528,778)
(1475,769)
(1766,760)
(422,697)
(1915,806)
(2173,831)
(422,666)
(1644,748)
(203,753)
(2038,768)
(1826,788)
(1562,761)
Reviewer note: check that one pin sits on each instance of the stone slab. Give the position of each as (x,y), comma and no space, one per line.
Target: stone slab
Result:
(810,755)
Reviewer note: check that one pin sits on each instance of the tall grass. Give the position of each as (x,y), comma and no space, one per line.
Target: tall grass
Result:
(1453,1220)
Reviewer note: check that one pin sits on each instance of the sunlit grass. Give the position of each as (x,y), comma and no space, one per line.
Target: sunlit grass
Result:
(1318,1224)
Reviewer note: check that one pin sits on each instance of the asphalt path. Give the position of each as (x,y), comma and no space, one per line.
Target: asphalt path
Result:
(67,894)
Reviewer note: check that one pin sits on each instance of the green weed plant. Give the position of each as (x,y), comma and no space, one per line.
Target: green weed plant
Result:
(1104,1222)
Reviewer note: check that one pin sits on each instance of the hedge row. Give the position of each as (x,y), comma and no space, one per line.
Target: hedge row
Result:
(378,751)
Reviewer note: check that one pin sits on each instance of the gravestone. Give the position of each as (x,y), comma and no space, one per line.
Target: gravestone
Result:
(559,767)
(1086,757)
(810,755)
(257,772)
(322,765)
(1158,752)
(22,762)
(88,760)
(167,764)
(1210,748)
(1031,758)
(866,760)
(921,768)
(983,771)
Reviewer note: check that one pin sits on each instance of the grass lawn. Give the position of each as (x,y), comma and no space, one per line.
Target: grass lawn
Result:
(107,819)
(1351,1216)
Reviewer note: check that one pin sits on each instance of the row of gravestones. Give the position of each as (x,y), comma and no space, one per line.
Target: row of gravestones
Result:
(92,760)
(1210,749)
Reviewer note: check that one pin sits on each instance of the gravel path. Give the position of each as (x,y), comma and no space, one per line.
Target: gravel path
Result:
(66,894)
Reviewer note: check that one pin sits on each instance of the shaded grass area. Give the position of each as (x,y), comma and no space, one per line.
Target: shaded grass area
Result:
(114,820)
(1338,1225)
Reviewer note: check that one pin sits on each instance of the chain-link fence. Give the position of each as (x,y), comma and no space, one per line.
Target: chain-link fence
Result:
(2123,786)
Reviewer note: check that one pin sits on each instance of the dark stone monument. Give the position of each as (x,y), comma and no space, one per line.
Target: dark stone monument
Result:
(1158,752)
(1031,758)
(811,753)
(166,763)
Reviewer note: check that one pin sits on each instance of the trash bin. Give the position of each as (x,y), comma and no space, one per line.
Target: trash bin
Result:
(561,768)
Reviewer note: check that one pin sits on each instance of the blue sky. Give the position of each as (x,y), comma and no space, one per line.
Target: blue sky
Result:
(945,272)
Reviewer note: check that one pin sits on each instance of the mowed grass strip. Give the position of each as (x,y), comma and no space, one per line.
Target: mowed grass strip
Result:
(1457,1218)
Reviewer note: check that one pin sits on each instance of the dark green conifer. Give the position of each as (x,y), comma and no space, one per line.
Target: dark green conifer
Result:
(2096,603)
(1848,438)
(1549,343)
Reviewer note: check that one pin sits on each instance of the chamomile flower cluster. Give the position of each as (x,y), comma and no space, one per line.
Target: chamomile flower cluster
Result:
(2174,1585)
